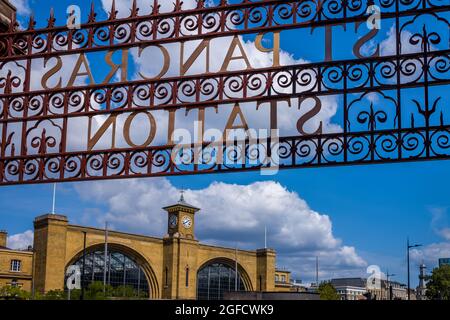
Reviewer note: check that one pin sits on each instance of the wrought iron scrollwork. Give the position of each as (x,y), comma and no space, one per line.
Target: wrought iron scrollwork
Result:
(392,107)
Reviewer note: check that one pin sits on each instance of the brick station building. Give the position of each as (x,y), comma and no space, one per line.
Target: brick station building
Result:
(7,10)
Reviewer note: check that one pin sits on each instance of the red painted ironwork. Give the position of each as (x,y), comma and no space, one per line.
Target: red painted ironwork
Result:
(371,132)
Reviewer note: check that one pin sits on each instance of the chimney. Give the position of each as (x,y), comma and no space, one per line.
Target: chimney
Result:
(3,237)
(7,10)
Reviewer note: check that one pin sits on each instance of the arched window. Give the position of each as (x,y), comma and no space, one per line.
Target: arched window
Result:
(216,278)
(123,273)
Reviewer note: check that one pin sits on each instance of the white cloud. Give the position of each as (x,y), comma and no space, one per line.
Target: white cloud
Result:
(123,7)
(439,222)
(230,214)
(21,240)
(431,253)
(77,128)
(257,119)
(445,233)
(411,71)
(389,43)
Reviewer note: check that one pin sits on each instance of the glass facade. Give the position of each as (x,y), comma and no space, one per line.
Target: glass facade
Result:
(121,271)
(215,279)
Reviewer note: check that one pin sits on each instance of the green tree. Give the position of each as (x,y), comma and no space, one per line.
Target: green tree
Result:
(95,291)
(438,286)
(75,294)
(328,292)
(125,292)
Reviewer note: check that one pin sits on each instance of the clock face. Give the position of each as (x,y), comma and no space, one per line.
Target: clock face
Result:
(187,222)
(173,221)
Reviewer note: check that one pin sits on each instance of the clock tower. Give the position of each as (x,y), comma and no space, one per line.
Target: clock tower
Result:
(180,251)
(180,219)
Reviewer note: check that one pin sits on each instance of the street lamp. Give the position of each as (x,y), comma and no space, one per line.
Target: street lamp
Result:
(388,285)
(407,254)
(84,266)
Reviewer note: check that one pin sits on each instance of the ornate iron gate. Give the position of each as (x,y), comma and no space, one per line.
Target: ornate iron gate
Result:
(392,107)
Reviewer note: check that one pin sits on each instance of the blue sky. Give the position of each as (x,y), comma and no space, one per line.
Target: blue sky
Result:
(371,208)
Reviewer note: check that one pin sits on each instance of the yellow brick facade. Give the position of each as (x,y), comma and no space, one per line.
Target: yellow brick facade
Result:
(21,278)
(3,237)
(283,281)
(58,244)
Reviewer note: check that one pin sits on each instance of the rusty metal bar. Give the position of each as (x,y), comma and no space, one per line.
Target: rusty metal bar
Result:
(319,86)
(107,160)
(52,33)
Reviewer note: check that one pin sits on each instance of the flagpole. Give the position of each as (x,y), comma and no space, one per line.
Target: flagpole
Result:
(54,198)
(235,270)
(317,271)
(265,237)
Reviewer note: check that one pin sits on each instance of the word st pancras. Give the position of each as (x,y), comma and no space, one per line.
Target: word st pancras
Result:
(337,83)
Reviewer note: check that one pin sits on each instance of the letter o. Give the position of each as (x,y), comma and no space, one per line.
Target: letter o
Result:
(151,134)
